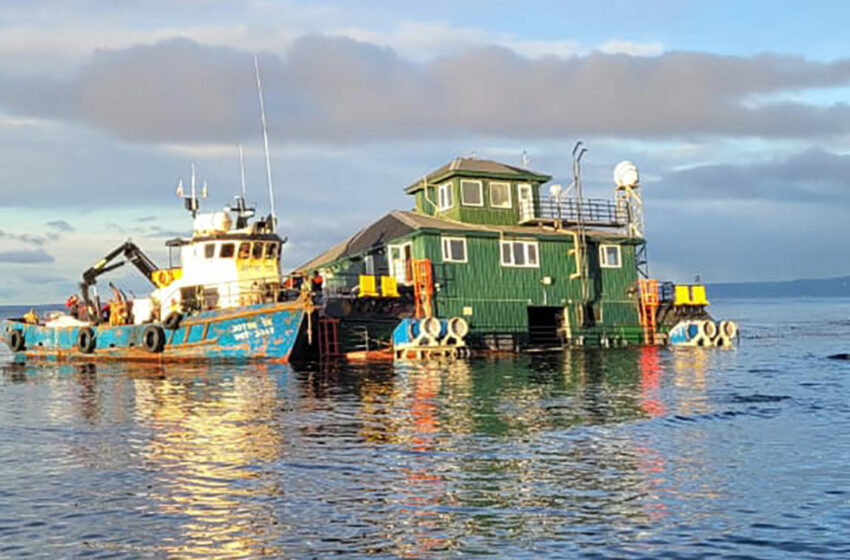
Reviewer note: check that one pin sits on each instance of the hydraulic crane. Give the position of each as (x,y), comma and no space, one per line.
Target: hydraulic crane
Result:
(132,254)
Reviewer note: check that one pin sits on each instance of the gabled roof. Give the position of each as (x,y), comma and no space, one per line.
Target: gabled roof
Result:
(472,167)
(399,223)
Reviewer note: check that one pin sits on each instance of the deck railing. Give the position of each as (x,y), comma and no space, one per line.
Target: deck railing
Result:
(589,211)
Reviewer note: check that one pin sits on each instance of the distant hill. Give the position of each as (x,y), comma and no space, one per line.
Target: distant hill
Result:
(821,287)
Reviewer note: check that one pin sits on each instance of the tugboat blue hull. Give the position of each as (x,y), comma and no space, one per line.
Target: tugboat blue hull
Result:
(264,331)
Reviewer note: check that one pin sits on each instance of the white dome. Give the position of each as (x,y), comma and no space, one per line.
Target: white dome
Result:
(626,174)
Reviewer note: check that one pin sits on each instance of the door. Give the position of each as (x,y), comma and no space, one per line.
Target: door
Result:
(401,263)
(525,196)
(545,326)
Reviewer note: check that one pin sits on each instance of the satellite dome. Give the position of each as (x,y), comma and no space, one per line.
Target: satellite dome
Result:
(626,174)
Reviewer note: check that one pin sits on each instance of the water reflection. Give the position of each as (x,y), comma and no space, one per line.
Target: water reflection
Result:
(407,460)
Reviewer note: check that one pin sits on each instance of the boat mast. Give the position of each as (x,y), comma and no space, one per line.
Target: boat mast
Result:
(265,142)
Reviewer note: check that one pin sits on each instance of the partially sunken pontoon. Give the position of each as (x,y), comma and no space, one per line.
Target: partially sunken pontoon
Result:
(523,264)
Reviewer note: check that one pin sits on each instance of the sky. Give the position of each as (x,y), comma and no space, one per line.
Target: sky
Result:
(736,114)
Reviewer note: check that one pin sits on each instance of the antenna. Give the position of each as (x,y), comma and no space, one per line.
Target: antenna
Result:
(265,141)
(242,171)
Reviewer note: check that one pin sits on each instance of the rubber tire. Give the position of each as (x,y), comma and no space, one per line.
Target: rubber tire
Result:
(16,340)
(86,340)
(709,329)
(153,339)
(729,329)
(172,322)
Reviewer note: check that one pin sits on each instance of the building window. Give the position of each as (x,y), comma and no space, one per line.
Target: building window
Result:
(609,256)
(454,249)
(257,252)
(500,195)
(445,197)
(209,250)
(471,193)
(520,253)
(227,250)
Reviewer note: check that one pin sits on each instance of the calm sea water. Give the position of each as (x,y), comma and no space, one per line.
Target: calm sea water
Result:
(740,453)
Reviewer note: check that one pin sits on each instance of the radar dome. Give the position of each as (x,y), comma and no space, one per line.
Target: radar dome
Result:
(626,174)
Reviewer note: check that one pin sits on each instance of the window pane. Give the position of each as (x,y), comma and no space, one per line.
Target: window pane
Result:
(506,253)
(613,256)
(519,254)
(532,254)
(271,250)
(258,251)
(244,250)
(500,195)
(227,250)
(458,253)
(471,193)
(209,250)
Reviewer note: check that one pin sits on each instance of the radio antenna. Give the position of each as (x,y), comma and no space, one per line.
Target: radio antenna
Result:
(242,171)
(265,141)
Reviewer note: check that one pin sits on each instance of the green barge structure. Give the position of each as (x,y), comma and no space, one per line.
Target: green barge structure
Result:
(524,263)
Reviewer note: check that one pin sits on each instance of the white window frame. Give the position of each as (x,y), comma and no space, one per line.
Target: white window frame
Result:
(525,251)
(509,204)
(603,256)
(398,267)
(445,244)
(449,196)
(480,193)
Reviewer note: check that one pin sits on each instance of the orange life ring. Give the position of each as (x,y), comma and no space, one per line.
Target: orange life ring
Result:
(163,278)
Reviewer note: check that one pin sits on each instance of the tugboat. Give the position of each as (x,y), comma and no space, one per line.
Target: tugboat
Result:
(226,301)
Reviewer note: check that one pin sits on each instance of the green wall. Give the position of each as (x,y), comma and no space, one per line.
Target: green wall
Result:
(499,295)
(475,214)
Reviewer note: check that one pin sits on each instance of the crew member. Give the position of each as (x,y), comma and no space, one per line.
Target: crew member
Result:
(318,282)
(73,305)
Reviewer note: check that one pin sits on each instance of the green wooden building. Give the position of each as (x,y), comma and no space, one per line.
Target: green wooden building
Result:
(523,266)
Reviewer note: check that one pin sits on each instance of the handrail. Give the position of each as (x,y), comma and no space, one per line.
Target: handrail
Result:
(263,288)
(588,211)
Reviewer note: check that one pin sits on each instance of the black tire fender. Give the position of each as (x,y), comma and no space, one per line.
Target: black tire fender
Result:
(86,340)
(16,340)
(172,321)
(153,339)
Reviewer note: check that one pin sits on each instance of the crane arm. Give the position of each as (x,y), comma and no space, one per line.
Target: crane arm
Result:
(131,253)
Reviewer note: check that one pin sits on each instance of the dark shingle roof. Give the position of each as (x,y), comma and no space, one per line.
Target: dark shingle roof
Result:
(472,167)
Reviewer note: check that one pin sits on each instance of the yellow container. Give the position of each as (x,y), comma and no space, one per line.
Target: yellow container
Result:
(367,286)
(389,286)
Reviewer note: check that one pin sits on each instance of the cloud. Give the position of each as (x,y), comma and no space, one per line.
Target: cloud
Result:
(61,225)
(37,256)
(333,89)
(29,238)
(811,176)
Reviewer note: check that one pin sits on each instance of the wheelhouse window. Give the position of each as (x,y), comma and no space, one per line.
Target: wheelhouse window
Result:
(609,256)
(257,252)
(522,254)
(471,193)
(500,194)
(271,251)
(227,251)
(209,250)
(244,250)
(454,249)
(445,197)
